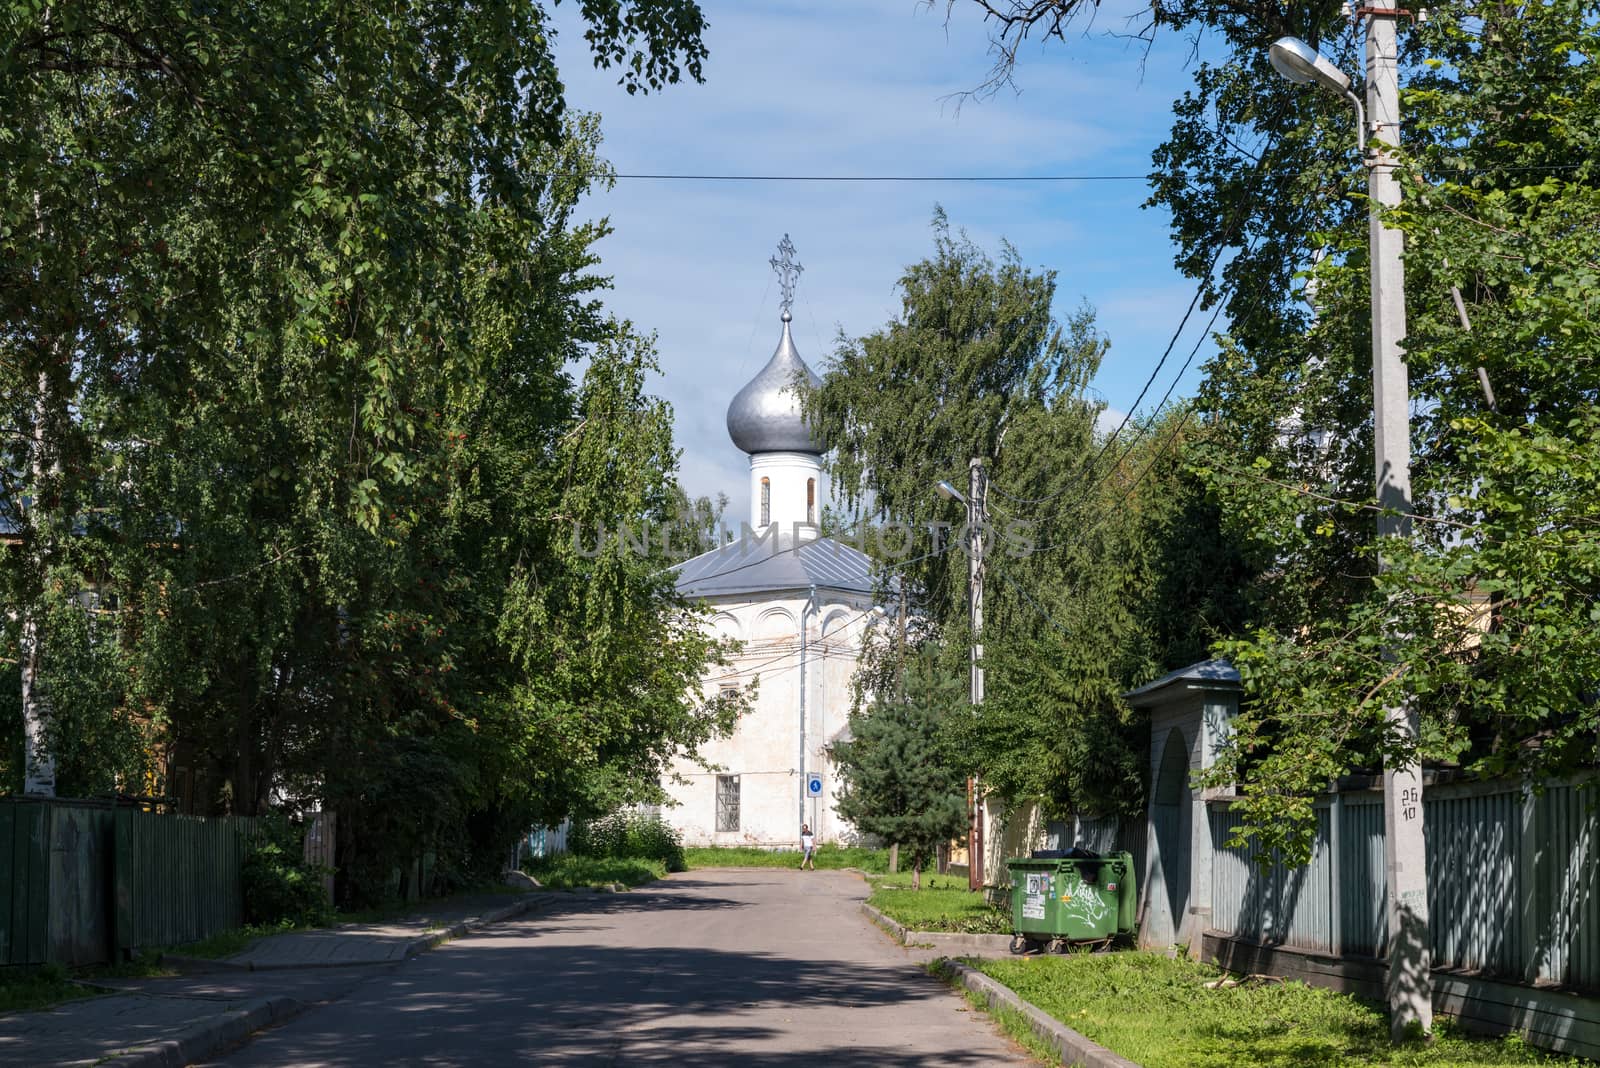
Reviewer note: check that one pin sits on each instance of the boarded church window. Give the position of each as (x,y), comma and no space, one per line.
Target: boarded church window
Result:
(766,502)
(811,501)
(727,802)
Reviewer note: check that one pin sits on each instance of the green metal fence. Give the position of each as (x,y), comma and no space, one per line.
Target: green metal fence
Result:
(178,877)
(86,881)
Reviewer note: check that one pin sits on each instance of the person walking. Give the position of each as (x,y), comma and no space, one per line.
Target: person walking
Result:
(808,848)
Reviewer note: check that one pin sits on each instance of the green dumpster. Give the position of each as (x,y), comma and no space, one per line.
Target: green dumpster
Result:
(1076,897)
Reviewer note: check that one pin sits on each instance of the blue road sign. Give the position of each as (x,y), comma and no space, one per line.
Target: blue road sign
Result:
(814,785)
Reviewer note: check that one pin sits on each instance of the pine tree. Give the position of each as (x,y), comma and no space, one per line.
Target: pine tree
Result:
(898,780)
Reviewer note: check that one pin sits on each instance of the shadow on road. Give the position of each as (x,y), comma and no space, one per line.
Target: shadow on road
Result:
(745,969)
(604,1005)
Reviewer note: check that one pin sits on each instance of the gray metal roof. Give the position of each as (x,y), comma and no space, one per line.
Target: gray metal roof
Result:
(765,415)
(1206,675)
(773,563)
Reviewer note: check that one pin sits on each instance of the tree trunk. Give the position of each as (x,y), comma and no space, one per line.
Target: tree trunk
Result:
(42,525)
(916,874)
(39,774)
(894,857)
(39,765)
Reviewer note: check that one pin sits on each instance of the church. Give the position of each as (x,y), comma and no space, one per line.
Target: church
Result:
(799,605)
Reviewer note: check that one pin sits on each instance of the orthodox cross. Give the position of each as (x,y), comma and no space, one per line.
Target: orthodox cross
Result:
(788,272)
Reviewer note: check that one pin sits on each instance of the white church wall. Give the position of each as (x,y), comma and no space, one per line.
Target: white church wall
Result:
(764,750)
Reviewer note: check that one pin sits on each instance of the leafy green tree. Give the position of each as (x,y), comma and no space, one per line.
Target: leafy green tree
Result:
(1483,621)
(897,780)
(289,295)
(1085,529)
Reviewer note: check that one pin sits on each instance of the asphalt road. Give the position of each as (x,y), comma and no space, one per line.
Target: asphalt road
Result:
(755,967)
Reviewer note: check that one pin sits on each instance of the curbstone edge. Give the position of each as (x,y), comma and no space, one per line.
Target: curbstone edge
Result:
(223,1032)
(1071,1047)
(981,945)
(209,1037)
(890,927)
(430,941)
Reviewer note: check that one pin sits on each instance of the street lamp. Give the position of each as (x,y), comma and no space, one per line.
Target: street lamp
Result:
(1405,858)
(1304,65)
(976,500)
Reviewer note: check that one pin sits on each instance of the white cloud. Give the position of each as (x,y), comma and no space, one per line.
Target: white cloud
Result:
(1109,420)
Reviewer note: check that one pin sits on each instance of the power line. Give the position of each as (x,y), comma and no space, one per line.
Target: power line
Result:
(1241,209)
(871,179)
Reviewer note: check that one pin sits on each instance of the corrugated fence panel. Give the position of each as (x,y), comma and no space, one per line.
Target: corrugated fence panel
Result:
(178,877)
(24,882)
(1304,911)
(1473,885)
(1272,905)
(1500,906)
(1234,888)
(1568,895)
(1098,834)
(79,871)
(1363,885)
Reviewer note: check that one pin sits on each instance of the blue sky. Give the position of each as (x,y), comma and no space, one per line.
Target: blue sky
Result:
(863,87)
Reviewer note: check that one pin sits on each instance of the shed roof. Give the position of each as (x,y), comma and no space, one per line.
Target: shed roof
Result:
(1206,675)
(774,563)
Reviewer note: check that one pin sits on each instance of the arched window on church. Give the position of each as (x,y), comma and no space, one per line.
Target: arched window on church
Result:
(766,501)
(811,501)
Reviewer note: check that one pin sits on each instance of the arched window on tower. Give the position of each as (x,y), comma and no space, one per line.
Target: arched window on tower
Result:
(766,501)
(811,501)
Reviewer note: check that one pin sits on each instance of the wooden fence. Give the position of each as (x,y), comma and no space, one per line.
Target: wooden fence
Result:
(85,882)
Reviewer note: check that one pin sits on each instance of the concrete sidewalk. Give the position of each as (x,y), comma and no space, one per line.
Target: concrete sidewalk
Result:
(173,1021)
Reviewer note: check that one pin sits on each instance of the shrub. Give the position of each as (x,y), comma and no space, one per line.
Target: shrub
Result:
(628,836)
(280,888)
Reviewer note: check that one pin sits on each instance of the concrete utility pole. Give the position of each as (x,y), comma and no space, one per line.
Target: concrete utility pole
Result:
(1410,984)
(977,525)
(976,500)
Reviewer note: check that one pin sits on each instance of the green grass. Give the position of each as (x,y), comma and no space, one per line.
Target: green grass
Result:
(227,943)
(39,988)
(943,904)
(567,872)
(1156,1011)
(828,856)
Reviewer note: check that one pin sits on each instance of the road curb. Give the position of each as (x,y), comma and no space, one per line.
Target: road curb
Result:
(209,1037)
(421,944)
(890,927)
(235,1028)
(538,900)
(979,945)
(1071,1047)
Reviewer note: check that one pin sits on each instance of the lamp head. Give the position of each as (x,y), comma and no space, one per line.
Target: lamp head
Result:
(950,493)
(1302,64)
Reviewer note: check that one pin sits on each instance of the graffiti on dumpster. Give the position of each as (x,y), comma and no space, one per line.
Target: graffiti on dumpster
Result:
(1080,902)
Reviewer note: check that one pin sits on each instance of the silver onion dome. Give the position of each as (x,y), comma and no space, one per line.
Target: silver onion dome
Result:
(765,414)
